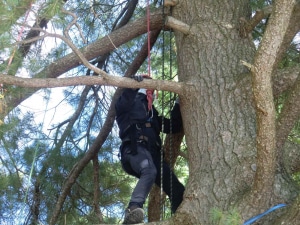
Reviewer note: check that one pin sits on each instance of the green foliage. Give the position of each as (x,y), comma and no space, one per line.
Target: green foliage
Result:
(28,144)
(291,57)
(10,194)
(10,12)
(231,217)
(52,8)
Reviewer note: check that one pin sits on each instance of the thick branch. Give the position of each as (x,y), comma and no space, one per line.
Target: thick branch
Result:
(99,47)
(263,97)
(172,86)
(247,27)
(104,45)
(292,30)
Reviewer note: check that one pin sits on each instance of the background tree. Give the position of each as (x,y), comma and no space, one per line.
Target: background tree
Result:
(239,101)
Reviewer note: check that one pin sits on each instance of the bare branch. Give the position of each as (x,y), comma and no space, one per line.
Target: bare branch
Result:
(246,26)
(248,65)
(99,47)
(74,22)
(91,80)
(292,30)
(178,25)
(291,157)
(170,2)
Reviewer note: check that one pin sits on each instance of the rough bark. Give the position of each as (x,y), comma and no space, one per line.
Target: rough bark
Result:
(36,203)
(289,115)
(284,79)
(219,132)
(263,98)
(222,150)
(291,157)
(96,204)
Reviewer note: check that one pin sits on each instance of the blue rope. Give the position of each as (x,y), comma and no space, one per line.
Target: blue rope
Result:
(253,219)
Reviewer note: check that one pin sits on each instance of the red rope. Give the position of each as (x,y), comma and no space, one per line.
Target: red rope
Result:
(148,31)
(149,94)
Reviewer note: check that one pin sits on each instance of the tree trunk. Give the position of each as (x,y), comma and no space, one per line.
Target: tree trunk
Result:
(219,118)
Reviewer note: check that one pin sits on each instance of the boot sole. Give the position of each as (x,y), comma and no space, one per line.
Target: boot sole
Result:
(135,216)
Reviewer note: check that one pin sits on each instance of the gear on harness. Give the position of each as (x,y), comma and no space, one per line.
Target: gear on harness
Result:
(136,134)
(137,126)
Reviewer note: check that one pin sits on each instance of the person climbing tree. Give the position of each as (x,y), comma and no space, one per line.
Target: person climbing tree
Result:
(139,129)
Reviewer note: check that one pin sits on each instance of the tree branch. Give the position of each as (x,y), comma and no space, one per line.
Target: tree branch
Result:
(172,86)
(178,25)
(103,45)
(99,47)
(292,30)
(170,2)
(96,207)
(263,98)
(247,26)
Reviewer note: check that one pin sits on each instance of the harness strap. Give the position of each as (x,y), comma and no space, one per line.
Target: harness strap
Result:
(131,136)
(139,139)
(141,125)
(143,138)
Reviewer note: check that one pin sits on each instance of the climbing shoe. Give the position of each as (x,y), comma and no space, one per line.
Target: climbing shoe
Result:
(134,216)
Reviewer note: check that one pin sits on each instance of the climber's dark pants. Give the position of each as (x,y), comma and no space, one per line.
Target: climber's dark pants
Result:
(147,166)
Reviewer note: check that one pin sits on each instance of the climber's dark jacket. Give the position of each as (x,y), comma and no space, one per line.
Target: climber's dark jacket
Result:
(138,124)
